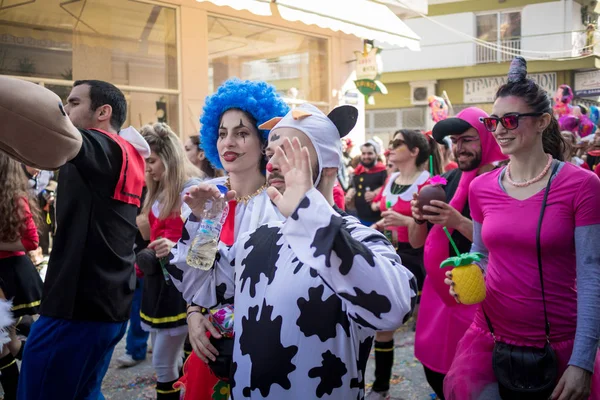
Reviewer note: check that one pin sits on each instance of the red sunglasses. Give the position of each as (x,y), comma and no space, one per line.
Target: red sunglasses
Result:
(510,121)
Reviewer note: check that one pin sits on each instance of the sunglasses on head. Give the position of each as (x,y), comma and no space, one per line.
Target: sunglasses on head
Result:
(394,144)
(509,121)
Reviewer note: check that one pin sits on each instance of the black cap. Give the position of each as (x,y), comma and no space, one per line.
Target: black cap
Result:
(449,126)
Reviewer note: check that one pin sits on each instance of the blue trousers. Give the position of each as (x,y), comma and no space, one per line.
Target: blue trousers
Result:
(67,359)
(137,338)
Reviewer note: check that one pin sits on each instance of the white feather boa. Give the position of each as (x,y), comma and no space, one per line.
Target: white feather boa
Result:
(6,320)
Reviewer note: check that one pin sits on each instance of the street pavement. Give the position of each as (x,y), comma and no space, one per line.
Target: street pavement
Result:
(408,380)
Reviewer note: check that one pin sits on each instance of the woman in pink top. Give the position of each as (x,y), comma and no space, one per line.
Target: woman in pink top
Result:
(442,322)
(505,207)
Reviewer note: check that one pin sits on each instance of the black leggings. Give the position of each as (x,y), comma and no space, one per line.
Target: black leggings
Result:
(436,381)
(412,259)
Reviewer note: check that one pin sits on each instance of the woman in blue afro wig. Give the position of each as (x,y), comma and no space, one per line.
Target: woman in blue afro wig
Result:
(258,99)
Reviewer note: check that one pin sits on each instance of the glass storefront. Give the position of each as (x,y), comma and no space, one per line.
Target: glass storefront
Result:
(130,43)
(134,45)
(294,63)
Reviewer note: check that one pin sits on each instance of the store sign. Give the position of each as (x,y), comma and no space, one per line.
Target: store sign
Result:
(368,69)
(483,90)
(587,83)
(7,38)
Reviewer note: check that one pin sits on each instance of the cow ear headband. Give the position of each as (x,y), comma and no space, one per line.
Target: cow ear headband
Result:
(344,118)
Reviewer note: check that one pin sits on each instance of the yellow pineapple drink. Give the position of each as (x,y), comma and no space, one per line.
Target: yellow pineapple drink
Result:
(467,277)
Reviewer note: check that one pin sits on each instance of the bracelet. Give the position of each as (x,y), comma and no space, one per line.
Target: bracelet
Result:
(419,221)
(190,313)
(201,309)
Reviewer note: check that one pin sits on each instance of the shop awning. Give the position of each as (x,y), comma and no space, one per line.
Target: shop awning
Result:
(365,19)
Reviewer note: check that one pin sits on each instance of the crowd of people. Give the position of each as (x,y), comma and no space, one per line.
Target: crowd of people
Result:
(325,250)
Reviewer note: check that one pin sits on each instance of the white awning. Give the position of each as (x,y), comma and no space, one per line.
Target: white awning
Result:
(362,18)
(257,7)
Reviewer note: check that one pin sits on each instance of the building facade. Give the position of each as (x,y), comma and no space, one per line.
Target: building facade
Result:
(466,48)
(167,56)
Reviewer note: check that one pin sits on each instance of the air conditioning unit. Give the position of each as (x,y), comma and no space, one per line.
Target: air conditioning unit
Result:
(420,92)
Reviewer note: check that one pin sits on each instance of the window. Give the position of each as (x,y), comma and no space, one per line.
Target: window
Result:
(502,29)
(383,123)
(296,64)
(129,43)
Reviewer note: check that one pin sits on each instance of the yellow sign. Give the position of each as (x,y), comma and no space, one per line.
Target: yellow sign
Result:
(369,66)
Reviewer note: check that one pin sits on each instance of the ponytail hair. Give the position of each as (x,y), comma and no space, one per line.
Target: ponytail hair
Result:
(434,149)
(553,141)
(538,100)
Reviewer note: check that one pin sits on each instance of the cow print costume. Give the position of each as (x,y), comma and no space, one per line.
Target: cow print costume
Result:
(310,292)
(218,290)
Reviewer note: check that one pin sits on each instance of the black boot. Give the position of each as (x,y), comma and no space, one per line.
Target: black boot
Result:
(9,376)
(384,360)
(165,391)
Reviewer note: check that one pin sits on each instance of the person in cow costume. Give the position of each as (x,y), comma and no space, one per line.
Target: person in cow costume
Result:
(309,291)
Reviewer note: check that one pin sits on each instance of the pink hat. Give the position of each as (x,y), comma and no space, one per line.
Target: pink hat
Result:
(471,117)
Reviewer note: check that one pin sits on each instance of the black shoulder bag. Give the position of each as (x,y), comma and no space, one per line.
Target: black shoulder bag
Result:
(525,372)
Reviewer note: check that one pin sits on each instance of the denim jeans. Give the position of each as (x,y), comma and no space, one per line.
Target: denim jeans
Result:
(67,359)
(137,338)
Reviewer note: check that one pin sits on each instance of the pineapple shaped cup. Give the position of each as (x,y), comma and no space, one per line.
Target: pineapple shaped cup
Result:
(467,277)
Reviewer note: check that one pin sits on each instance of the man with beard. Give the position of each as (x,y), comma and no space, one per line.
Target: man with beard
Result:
(369,176)
(311,290)
(441,324)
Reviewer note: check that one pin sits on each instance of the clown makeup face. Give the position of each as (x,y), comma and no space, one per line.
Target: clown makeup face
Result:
(466,148)
(239,145)
(528,133)
(276,139)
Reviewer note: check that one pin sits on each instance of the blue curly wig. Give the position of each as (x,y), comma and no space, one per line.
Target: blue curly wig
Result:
(259,99)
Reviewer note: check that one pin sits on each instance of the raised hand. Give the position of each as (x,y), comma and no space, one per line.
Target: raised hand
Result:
(198,195)
(294,164)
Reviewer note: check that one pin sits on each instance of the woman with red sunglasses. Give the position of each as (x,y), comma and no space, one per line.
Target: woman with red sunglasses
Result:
(541,264)
(409,152)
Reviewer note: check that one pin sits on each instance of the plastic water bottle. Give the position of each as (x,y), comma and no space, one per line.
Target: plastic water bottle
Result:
(204,247)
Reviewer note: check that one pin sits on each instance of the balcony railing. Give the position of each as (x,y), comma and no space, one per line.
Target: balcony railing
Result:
(509,48)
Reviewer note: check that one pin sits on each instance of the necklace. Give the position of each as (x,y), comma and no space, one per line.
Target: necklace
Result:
(247,198)
(531,181)
(404,181)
